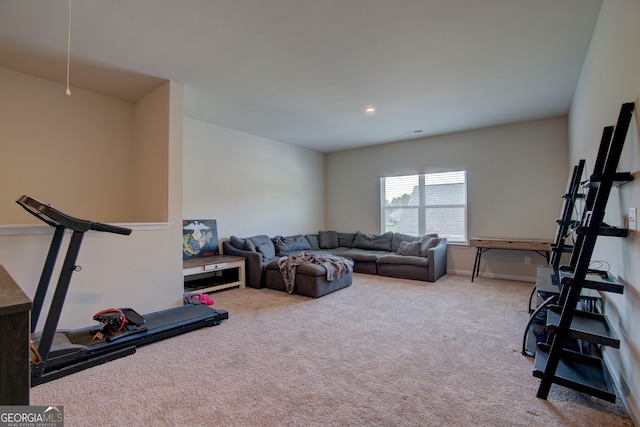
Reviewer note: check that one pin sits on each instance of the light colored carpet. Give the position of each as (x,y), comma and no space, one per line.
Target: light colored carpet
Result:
(382,352)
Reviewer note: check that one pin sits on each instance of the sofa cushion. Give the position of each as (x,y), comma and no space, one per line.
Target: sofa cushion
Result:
(290,244)
(264,245)
(392,258)
(410,248)
(401,237)
(427,242)
(237,242)
(346,239)
(362,255)
(313,241)
(328,239)
(380,242)
(249,245)
(267,251)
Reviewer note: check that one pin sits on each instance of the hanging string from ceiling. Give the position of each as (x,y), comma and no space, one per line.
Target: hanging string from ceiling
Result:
(68,49)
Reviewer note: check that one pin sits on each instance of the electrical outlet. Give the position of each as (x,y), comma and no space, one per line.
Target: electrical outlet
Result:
(632,219)
(527,260)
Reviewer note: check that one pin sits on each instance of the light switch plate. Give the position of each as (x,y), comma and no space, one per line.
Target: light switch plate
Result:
(632,219)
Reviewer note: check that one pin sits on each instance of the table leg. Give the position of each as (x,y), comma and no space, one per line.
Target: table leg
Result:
(476,264)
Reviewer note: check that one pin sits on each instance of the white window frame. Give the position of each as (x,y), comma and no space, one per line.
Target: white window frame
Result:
(423,204)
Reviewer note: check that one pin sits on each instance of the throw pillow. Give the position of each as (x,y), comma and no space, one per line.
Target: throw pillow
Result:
(267,251)
(401,237)
(328,239)
(290,244)
(345,240)
(380,242)
(428,242)
(410,248)
(264,245)
(237,242)
(313,241)
(249,245)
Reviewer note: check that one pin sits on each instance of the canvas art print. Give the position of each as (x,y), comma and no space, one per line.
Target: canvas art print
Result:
(199,238)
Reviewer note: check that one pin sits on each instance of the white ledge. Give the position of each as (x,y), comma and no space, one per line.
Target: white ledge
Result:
(17,229)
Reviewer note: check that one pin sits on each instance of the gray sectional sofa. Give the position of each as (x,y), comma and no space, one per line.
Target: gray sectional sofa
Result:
(389,254)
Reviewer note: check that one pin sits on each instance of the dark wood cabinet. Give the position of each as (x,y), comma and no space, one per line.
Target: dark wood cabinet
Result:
(15,308)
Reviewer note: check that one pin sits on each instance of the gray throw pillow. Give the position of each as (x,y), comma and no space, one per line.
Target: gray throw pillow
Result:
(267,251)
(264,245)
(290,244)
(328,239)
(401,237)
(313,241)
(380,242)
(237,242)
(428,242)
(345,240)
(249,245)
(410,248)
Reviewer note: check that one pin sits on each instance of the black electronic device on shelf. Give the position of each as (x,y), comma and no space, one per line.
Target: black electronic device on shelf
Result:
(66,352)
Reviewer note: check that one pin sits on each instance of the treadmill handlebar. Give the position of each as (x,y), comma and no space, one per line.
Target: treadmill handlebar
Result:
(55,218)
(110,228)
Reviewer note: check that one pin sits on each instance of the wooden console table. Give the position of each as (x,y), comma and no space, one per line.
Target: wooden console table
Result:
(15,336)
(482,244)
(203,268)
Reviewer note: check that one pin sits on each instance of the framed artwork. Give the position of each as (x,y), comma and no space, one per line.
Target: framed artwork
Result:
(199,238)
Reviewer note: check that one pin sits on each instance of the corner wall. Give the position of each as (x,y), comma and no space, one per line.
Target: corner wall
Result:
(609,78)
(516,175)
(251,185)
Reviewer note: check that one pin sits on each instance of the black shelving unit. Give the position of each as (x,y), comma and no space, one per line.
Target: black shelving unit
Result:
(547,287)
(567,221)
(554,362)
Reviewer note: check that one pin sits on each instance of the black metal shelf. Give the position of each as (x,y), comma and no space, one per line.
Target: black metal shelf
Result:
(619,178)
(585,325)
(605,230)
(567,249)
(579,372)
(597,280)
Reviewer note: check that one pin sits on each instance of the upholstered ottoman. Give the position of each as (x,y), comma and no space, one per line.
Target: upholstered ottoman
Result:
(311,280)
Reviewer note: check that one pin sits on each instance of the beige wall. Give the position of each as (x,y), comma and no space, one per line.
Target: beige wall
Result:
(251,185)
(71,151)
(142,270)
(151,157)
(516,174)
(611,77)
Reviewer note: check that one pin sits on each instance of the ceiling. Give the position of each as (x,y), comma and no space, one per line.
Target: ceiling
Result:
(302,71)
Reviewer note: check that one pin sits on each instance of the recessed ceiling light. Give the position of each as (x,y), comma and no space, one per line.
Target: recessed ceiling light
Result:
(370,109)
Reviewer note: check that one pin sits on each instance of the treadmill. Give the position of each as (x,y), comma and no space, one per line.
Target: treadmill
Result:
(64,352)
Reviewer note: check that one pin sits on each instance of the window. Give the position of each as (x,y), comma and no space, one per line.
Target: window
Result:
(426,203)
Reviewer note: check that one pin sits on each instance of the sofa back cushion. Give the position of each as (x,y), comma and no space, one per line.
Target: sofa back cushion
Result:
(313,241)
(237,242)
(410,248)
(328,239)
(345,240)
(264,245)
(427,242)
(379,242)
(401,237)
(290,244)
